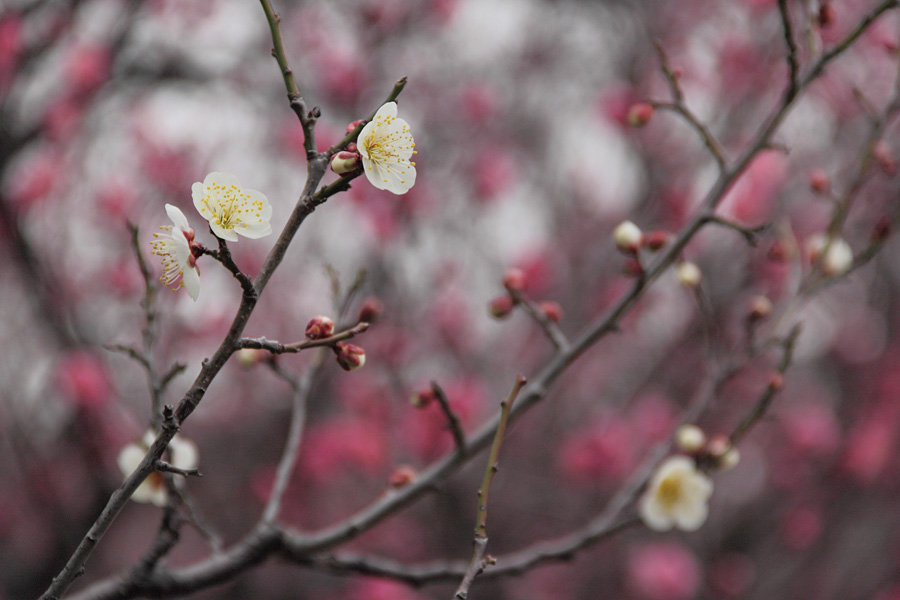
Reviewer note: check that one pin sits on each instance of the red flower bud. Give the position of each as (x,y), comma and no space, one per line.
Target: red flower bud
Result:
(827,15)
(882,229)
(633,268)
(776,382)
(552,309)
(501,306)
(319,327)
(819,181)
(371,310)
(353,125)
(344,162)
(422,398)
(514,280)
(656,239)
(884,156)
(402,475)
(639,114)
(349,356)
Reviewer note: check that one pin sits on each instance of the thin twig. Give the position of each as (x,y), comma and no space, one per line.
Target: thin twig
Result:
(301,389)
(479,560)
(750,233)
(791,57)
(550,329)
(453,422)
(279,348)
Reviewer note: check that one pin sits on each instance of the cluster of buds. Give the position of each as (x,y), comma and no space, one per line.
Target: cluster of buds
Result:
(630,240)
(349,356)
(718,453)
(515,282)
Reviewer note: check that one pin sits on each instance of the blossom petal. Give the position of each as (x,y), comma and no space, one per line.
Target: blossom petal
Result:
(177,217)
(191,279)
(691,515)
(653,515)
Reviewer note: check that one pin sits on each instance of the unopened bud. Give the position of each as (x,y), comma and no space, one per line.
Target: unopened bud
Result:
(884,156)
(656,239)
(688,274)
(882,229)
(819,181)
(632,268)
(779,252)
(248,357)
(319,327)
(402,475)
(640,114)
(724,455)
(501,306)
(422,398)
(826,16)
(345,162)
(552,309)
(776,382)
(628,237)
(371,310)
(515,280)
(690,438)
(353,125)
(349,356)
(836,256)
(760,308)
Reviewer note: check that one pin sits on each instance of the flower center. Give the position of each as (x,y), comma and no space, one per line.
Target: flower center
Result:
(669,491)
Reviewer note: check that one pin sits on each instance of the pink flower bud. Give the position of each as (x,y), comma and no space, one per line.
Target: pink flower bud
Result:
(552,309)
(501,306)
(776,382)
(402,475)
(345,162)
(514,280)
(656,239)
(349,356)
(639,114)
(760,308)
(819,181)
(319,327)
(371,310)
(353,125)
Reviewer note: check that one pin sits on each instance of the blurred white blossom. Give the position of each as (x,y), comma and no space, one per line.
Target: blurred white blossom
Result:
(182,454)
(676,496)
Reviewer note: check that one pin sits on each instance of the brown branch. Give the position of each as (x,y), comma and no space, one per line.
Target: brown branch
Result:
(762,405)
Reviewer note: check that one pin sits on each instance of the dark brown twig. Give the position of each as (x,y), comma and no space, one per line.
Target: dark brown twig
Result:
(453,422)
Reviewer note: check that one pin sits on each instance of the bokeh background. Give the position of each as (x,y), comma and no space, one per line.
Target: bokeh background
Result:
(110,109)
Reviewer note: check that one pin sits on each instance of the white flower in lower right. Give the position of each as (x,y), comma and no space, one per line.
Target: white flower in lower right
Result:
(676,496)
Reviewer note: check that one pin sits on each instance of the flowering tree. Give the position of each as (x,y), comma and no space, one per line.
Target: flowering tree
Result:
(643,263)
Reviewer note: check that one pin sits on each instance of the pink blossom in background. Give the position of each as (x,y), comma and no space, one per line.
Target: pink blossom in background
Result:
(82,377)
(663,571)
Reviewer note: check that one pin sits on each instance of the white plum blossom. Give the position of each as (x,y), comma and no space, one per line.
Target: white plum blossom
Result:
(676,496)
(231,210)
(174,247)
(386,146)
(182,454)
